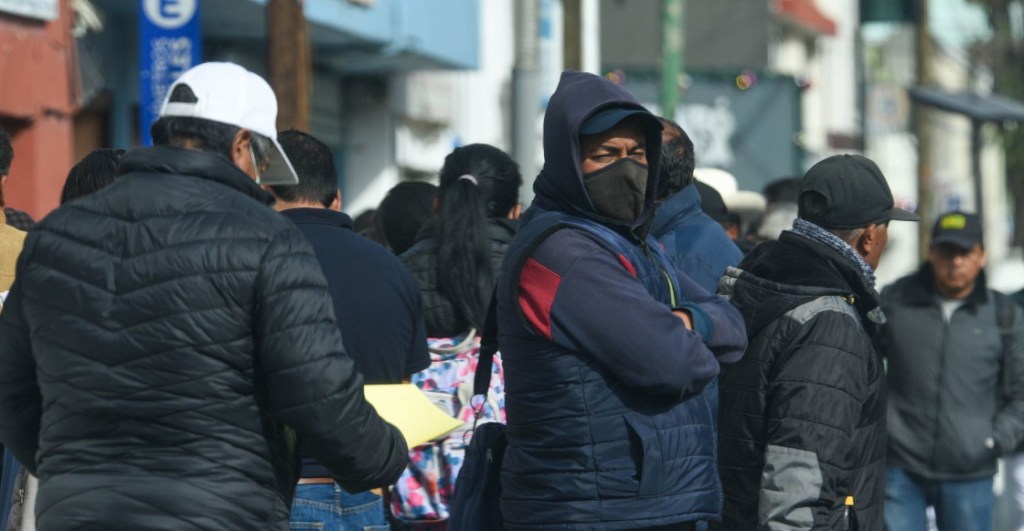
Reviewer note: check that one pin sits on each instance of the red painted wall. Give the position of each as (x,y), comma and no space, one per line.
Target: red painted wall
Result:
(39,92)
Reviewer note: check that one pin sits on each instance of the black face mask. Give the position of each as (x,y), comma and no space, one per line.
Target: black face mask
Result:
(618,190)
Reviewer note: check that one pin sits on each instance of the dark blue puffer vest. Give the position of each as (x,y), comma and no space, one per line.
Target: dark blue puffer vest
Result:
(585,451)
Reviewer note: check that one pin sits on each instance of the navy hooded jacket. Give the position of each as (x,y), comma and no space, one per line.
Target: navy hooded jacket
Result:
(695,243)
(606,425)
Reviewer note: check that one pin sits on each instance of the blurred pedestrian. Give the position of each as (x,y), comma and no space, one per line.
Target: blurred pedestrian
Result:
(744,209)
(377,304)
(458,254)
(403,212)
(13,217)
(95,171)
(781,210)
(92,173)
(802,422)
(956,384)
(606,345)
(11,238)
(170,342)
(695,243)
(365,225)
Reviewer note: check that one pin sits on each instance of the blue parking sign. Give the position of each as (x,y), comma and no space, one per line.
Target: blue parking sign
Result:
(169,44)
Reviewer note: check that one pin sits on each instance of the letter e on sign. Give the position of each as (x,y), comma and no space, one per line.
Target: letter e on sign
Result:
(170,14)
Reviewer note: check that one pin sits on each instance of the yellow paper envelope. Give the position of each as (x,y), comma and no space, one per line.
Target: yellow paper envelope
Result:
(409,410)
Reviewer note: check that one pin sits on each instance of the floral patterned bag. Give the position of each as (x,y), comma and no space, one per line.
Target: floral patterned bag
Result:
(420,497)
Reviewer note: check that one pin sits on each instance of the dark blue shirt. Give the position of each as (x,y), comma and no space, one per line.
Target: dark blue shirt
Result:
(376,301)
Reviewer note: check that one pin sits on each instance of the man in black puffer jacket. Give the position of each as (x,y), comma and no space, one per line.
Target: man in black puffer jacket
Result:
(802,416)
(170,343)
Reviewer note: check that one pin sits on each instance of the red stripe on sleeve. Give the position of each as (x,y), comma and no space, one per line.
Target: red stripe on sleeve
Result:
(627,264)
(537,288)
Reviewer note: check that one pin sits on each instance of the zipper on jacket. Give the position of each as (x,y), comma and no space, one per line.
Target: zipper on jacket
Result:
(939,386)
(671,288)
(668,279)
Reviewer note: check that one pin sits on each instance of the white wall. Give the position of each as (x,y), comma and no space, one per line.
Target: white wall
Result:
(368,133)
(407,125)
(834,80)
(829,104)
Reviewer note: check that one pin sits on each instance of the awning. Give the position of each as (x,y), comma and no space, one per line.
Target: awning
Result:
(805,14)
(351,37)
(990,108)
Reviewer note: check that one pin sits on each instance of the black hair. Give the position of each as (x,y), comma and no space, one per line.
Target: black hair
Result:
(95,171)
(677,164)
(6,152)
(403,212)
(364,221)
(314,164)
(477,181)
(201,134)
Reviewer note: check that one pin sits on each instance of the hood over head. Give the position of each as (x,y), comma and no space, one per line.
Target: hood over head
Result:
(559,186)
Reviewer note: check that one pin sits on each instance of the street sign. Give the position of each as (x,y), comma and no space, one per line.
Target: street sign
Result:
(169,44)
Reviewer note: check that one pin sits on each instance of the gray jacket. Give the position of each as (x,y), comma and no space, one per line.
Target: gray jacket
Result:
(950,387)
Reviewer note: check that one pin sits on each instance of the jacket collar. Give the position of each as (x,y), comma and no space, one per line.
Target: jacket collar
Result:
(921,289)
(681,206)
(803,267)
(209,166)
(318,216)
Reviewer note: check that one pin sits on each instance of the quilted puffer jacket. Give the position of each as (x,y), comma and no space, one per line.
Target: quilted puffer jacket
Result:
(441,317)
(168,343)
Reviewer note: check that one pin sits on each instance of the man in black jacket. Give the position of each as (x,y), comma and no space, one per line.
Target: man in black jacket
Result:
(170,342)
(377,302)
(802,416)
(956,386)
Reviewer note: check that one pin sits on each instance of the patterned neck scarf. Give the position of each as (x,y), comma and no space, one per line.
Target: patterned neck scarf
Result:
(815,233)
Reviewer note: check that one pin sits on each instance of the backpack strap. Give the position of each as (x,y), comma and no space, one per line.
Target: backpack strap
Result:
(488,347)
(1004,317)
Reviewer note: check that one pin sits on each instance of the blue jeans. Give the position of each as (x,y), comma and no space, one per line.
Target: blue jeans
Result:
(959,505)
(331,508)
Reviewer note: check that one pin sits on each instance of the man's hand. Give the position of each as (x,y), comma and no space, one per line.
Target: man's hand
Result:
(685,316)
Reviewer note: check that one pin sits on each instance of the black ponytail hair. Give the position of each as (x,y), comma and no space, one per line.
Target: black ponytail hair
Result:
(478,181)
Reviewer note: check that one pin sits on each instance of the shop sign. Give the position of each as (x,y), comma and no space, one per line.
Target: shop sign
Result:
(169,44)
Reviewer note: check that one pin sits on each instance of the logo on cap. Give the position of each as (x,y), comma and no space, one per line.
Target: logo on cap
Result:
(953,222)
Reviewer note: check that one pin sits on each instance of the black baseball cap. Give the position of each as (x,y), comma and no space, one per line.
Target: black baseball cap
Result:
(958,228)
(711,202)
(855,192)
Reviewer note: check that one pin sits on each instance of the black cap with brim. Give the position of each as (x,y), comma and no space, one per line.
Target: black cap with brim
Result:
(604,120)
(855,192)
(711,202)
(958,228)
(898,214)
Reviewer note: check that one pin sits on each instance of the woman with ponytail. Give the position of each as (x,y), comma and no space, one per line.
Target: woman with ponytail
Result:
(457,256)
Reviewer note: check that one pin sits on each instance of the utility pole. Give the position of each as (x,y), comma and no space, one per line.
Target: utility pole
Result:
(572,34)
(526,93)
(289,62)
(671,55)
(581,33)
(925,194)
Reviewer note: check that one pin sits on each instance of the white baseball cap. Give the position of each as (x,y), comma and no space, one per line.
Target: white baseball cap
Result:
(230,94)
